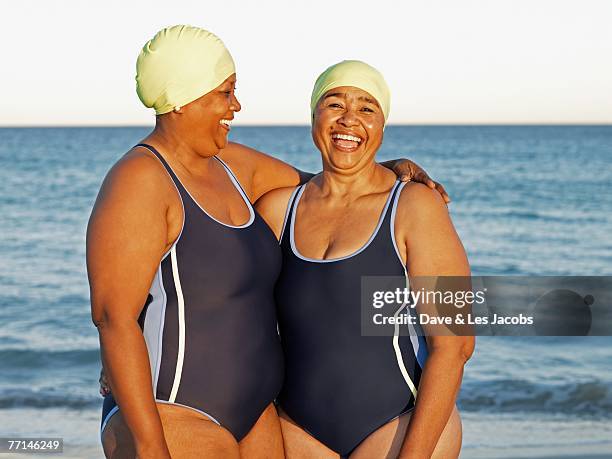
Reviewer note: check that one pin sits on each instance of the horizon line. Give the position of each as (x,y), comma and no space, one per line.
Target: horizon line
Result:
(249,125)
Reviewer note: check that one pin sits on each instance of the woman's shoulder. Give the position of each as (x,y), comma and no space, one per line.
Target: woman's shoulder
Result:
(420,210)
(417,198)
(136,183)
(138,171)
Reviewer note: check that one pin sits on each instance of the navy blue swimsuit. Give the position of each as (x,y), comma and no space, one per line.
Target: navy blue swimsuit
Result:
(341,386)
(209,321)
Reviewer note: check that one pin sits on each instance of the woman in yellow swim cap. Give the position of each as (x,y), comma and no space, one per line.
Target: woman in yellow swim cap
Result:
(347,393)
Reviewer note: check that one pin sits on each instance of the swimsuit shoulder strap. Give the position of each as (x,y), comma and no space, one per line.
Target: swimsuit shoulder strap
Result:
(289,213)
(235,180)
(394,198)
(398,192)
(181,189)
(385,215)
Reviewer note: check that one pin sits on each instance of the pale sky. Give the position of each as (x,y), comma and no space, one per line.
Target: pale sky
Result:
(71,62)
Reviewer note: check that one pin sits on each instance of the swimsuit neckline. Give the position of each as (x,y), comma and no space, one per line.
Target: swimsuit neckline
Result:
(297,253)
(235,183)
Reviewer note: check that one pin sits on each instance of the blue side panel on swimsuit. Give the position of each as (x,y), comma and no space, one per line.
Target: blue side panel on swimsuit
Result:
(341,386)
(168,332)
(108,405)
(210,322)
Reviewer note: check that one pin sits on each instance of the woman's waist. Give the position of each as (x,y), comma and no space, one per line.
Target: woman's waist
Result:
(339,360)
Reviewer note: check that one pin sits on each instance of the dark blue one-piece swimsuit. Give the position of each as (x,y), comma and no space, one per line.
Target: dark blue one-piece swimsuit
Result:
(341,386)
(209,321)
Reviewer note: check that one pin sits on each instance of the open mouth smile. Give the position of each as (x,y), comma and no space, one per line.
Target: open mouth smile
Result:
(346,142)
(227,124)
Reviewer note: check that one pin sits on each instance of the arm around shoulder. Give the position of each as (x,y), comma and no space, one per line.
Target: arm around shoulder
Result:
(262,171)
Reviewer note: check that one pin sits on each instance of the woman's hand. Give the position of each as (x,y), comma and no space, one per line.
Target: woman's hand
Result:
(104,386)
(408,171)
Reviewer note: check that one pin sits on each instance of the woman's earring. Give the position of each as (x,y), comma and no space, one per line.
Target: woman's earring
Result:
(177,109)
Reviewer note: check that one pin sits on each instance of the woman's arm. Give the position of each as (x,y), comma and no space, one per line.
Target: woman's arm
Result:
(126,238)
(260,173)
(273,206)
(408,170)
(432,247)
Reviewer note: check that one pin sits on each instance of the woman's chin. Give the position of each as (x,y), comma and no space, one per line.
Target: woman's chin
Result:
(221,141)
(345,161)
(344,166)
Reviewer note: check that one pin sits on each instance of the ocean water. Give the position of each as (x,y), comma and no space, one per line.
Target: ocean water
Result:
(533,200)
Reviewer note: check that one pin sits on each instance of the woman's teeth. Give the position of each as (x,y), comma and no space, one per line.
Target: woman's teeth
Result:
(346,142)
(346,137)
(227,123)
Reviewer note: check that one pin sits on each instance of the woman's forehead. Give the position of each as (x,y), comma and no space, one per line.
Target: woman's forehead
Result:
(230,80)
(351,92)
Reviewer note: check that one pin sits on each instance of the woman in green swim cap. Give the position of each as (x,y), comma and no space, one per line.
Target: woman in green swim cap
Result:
(346,393)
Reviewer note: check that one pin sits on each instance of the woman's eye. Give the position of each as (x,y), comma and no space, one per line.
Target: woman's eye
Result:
(335,105)
(366,109)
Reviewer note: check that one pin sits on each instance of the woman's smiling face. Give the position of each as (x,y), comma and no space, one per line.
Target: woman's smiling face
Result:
(347,128)
(209,117)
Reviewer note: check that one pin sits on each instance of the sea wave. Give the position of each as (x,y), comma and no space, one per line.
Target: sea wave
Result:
(39,359)
(586,398)
(24,397)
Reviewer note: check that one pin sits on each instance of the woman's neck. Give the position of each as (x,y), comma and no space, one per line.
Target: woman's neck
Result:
(369,179)
(178,149)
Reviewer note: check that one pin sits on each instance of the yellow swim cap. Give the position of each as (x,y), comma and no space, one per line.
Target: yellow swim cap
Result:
(180,64)
(353,73)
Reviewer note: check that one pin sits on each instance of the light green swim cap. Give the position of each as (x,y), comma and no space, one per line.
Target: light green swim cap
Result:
(357,74)
(179,65)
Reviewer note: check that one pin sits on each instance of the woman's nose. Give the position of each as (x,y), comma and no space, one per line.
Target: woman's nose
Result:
(235,105)
(349,118)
